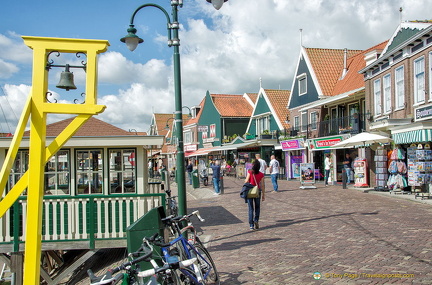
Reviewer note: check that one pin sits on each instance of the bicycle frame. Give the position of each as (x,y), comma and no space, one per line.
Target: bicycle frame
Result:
(189,250)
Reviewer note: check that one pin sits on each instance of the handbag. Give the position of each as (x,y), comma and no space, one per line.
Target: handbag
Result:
(254,191)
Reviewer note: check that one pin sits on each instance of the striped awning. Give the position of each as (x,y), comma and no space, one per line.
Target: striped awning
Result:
(417,136)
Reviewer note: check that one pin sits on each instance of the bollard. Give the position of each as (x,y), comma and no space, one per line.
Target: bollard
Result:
(344,178)
(221,185)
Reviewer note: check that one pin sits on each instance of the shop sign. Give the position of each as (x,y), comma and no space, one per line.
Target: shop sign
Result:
(190,147)
(324,143)
(292,144)
(423,113)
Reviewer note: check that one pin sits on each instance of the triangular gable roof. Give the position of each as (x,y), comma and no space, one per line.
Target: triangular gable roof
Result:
(91,128)
(232,105)
(327,65)
(405,31)
(161,120)
(278,100)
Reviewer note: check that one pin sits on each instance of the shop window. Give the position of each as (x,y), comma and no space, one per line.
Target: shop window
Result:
(89,171)
(18,169)
(122,171)
(57,174)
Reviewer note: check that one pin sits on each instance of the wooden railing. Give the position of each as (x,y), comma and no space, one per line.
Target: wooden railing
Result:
(86,218)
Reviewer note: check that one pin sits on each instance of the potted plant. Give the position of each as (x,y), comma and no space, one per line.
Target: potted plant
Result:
(266,134)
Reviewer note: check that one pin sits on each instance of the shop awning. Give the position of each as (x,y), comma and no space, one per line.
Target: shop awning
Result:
(416,136)
(202,151)
(239,145)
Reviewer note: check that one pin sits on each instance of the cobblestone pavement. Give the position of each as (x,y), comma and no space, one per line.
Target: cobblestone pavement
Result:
(348,236)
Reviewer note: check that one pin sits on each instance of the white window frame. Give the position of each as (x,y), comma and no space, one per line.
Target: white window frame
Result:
(297,123)
(377,97)
(88,171)
(419,80)
(399,87)
(122,173)
(387,93)
(430,77)
(304,115)
(188,137)
(302,82)
(262,124)
(314,120)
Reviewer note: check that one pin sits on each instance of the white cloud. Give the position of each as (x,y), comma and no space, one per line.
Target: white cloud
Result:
(7,69)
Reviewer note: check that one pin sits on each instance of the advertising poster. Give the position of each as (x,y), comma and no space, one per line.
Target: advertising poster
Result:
(296,160)
(307,171)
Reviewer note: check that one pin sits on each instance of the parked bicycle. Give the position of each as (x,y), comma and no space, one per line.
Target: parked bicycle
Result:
(186,244)
(172,207)
(165,275)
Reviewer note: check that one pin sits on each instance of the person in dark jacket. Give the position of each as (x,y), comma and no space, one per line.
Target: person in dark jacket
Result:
(216,176)
(189,169)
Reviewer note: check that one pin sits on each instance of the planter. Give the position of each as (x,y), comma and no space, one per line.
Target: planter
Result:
(250,137)
(266,137)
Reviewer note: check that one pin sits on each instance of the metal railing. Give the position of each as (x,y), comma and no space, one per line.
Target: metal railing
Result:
(342,125)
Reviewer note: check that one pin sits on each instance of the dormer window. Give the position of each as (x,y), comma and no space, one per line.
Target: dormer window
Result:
(302,83)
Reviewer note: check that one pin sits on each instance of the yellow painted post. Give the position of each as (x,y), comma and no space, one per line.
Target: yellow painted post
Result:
(37,109)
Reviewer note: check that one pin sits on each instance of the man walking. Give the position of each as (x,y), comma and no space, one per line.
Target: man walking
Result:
(263,164)
(216,176)
(274,172)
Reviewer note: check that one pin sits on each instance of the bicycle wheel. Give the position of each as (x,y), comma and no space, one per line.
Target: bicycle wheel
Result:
(207,266)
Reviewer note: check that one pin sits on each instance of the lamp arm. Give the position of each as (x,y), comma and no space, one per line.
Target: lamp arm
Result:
(158,7)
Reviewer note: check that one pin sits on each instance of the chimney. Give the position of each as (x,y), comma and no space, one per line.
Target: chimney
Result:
(345,69)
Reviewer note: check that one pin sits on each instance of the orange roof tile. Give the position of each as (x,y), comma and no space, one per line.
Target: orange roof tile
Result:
(232,105)
(162,120)
(92,128)
(279,101)
(328,65)
(353,79)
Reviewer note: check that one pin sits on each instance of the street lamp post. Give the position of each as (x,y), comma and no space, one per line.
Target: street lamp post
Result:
(132,41)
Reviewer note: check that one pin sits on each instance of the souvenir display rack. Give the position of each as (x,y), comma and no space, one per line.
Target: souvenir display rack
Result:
(381,169)
(420,169)
(360,173)
(397,182)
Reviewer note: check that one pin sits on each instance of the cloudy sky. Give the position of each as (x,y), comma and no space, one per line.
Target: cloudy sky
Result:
(226,51)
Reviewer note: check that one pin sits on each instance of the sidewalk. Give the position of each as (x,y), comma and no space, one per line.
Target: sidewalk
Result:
(347,235)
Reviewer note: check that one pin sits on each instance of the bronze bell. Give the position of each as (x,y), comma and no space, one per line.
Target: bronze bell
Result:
(66,80)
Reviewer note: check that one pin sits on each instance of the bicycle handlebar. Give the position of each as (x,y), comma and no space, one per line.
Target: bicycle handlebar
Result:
(182,218)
